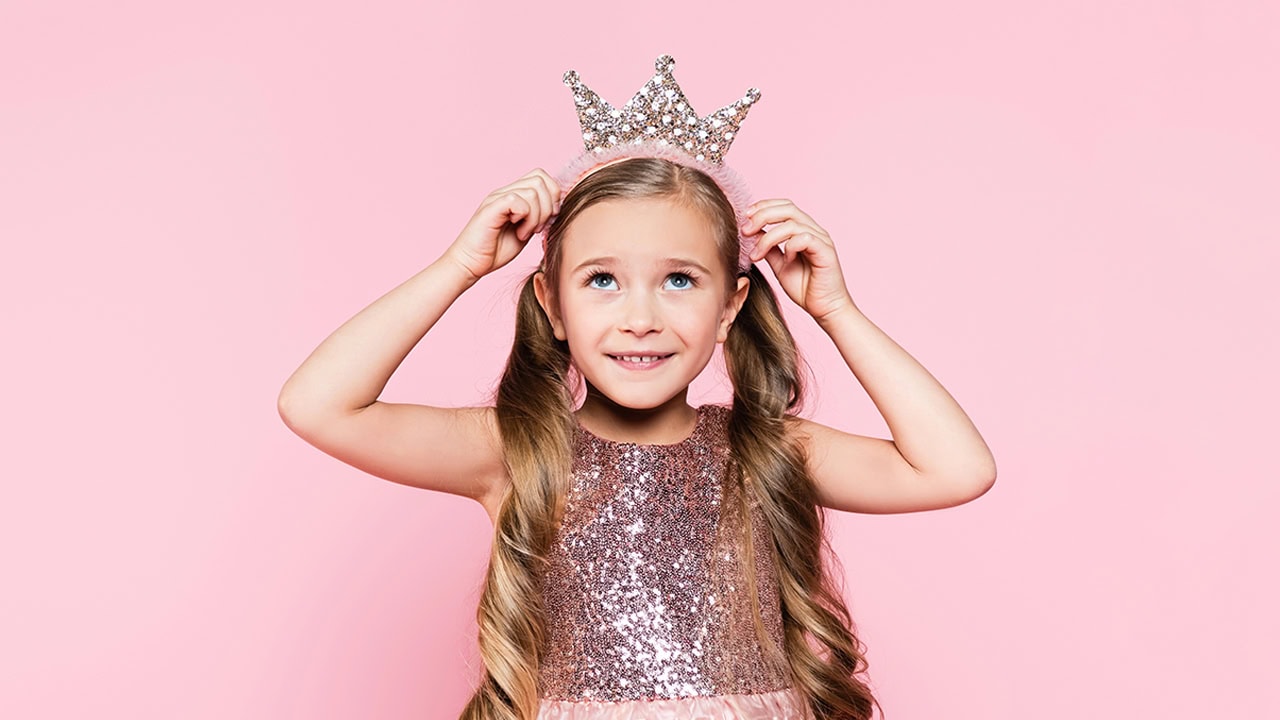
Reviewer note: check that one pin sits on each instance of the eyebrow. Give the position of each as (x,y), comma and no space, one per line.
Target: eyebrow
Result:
(668,262)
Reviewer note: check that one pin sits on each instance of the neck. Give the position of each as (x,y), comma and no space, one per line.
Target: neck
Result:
(665,424)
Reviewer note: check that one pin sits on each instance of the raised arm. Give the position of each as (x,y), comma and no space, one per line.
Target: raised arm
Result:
(936,458)
(331,400)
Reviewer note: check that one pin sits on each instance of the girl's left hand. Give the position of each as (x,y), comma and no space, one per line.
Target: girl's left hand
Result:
(802,256)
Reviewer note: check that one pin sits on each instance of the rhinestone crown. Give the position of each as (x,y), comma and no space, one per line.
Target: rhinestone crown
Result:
(660,114)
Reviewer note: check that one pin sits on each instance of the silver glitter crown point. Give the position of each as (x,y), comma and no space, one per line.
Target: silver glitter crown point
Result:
(658,113)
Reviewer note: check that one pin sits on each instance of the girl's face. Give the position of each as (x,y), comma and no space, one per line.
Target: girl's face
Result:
(642,299)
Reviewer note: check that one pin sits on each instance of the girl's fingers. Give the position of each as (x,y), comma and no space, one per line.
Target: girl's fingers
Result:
(783,232)
(772,205)
(777,260)
(767,212)
(554,191)
(542,199)
(782,260)
(543,181)
(777,216)
(548,192)
(508,208)
(537,179)
(767,202)
(514,207)
(533,218)
(539,196)
(800,242)
(775,236)
(534,198)
(793,225)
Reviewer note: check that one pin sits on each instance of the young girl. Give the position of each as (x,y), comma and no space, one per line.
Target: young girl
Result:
(650,559)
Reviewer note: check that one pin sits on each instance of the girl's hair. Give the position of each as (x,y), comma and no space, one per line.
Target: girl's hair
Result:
(534,404)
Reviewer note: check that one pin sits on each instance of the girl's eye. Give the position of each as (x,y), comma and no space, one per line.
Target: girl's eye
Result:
(605,281)
(600,281)
(680,281)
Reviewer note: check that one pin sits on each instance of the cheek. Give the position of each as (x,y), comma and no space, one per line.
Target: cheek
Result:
(702,320)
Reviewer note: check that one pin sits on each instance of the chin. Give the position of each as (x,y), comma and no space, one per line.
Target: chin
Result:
(633,400)
(637,403)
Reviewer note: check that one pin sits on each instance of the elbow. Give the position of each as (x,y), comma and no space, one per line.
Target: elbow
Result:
(285,402)
(285,409)
(304,415)
(290,410)
(974,484)
(960,491)
(984,480)
(981,487)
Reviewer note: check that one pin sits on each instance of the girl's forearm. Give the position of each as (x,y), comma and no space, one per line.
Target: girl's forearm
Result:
(929,428)
(349,370)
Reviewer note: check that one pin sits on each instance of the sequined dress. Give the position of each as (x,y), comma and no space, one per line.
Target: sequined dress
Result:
(648,610)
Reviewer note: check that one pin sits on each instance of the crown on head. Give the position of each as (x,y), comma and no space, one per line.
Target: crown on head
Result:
(660,114)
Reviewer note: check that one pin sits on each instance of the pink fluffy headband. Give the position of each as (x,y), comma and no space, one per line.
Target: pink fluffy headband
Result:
(658,121)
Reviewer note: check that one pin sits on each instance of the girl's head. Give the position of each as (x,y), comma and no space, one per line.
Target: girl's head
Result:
(642,262)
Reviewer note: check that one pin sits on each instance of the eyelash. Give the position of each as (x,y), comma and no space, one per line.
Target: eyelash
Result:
(693,281)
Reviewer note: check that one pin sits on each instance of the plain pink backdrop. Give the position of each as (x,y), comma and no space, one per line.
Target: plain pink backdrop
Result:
(1068,212)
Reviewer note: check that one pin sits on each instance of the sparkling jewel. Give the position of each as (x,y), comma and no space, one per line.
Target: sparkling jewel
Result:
(668,107)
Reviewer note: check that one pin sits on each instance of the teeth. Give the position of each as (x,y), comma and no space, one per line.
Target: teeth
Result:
(639,358)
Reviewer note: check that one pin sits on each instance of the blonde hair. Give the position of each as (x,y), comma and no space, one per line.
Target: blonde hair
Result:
(534,405)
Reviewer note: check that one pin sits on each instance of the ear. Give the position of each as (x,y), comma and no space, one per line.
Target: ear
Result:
(732,308)
(540,290)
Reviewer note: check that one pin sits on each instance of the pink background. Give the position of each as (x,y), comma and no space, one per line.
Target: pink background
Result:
(1068,212)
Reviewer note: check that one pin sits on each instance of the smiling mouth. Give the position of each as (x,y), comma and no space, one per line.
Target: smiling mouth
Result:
(640,359)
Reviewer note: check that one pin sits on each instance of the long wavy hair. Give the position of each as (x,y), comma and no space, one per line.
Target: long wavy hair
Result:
(534,404)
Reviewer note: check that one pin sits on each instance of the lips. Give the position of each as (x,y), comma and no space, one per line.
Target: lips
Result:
(639,361)
(639,358)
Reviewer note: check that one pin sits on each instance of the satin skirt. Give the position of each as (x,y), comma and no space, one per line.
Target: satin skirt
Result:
(777,705)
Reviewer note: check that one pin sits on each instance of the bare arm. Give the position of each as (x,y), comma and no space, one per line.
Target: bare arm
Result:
(331,400)
(936,458)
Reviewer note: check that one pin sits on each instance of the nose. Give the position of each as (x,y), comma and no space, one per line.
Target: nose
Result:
(641,315)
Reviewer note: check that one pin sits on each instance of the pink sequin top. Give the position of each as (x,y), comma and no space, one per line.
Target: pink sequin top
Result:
(647,601)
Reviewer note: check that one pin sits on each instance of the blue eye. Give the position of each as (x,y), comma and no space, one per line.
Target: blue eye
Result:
(680,281)
(592,281)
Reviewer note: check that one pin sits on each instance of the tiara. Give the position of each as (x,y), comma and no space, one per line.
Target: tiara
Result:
(658,114)
(659,122)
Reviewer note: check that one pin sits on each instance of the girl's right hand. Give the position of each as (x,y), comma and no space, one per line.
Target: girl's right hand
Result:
(504,222)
